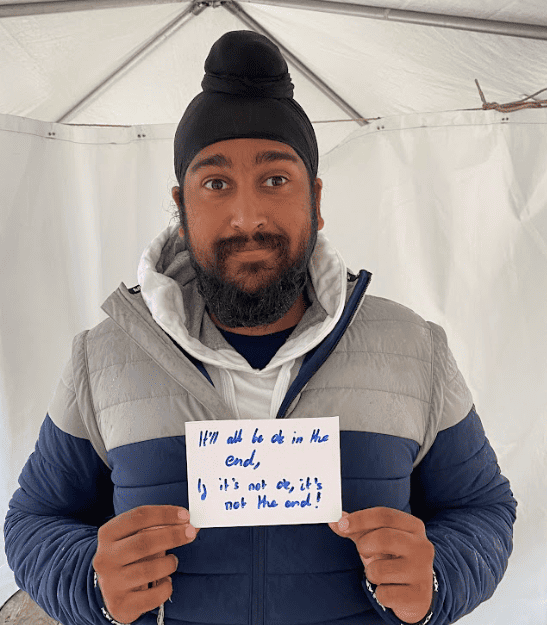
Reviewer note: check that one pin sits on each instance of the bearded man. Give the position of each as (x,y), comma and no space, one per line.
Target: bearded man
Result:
(245,310)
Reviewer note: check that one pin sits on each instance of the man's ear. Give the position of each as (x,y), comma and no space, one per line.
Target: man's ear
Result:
(318,189)
(176,196)
(175,193)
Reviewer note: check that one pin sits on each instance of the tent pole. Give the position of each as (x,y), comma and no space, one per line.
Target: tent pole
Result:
(421,18)
(148,47)
(493,27)
(238,11)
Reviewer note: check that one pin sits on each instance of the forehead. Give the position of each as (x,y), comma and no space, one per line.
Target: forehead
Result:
(253,152)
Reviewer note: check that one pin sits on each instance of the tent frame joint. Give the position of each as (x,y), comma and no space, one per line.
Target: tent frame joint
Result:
(199,5)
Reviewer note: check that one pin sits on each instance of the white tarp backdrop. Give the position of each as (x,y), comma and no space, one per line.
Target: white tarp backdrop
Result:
(448,210)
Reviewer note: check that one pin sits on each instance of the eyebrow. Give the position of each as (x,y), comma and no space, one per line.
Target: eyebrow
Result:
(219,160)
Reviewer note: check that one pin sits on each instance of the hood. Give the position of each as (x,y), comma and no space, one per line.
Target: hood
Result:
(169,289)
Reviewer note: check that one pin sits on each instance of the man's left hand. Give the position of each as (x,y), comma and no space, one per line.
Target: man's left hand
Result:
(398,558)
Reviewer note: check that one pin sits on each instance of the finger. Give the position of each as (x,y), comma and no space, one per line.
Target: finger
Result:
(154,556)
(153,597)
(388,543)
(364,521)
(341,526)
(161,540)
(334,525)
(387,566)
(191,532)
(371,519)
(129,523)
(149,542)
(367,561)
(158,582)
(153,584)
(153,569)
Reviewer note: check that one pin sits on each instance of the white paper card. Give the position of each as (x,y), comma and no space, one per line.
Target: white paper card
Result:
(257,472)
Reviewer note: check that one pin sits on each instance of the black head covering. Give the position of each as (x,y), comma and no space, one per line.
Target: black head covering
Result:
(247,93)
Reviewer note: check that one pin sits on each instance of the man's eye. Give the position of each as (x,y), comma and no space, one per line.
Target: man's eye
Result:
(213,180)
(278,185)
(220,180)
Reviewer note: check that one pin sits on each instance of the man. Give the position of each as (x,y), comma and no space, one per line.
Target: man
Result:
(251,276)
(245,310)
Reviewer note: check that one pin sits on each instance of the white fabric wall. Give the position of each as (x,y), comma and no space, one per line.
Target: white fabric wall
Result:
(448,211)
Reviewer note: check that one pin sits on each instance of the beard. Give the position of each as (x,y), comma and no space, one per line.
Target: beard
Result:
(235,307)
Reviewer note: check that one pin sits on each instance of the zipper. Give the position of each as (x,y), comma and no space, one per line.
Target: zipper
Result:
(262,572)
(259,577)
(258,534)
(282,413)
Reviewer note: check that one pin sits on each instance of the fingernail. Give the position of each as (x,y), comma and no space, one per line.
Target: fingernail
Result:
(343,525)
(190,532)
(345,513)
(183,514)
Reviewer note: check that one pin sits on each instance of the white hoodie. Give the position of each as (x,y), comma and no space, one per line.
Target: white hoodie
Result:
(179,310)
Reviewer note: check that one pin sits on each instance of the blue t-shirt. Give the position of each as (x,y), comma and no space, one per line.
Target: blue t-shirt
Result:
(257,350)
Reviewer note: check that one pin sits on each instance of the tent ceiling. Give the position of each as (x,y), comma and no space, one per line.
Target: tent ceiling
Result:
(141,61)
(460,14)
(371,11)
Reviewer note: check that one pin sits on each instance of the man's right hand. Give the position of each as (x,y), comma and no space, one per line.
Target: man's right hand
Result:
(131,553)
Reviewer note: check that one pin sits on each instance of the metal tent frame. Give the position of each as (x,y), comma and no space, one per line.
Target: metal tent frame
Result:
(196,7)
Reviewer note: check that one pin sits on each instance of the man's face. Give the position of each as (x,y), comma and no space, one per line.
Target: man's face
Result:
(250,230)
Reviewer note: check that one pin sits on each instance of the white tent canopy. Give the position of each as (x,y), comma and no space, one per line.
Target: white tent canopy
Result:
(141,61)
(442,199)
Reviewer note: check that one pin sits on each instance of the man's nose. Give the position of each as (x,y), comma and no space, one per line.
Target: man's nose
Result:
(248,215)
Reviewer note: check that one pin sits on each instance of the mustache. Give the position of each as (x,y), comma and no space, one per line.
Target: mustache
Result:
(265,240)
